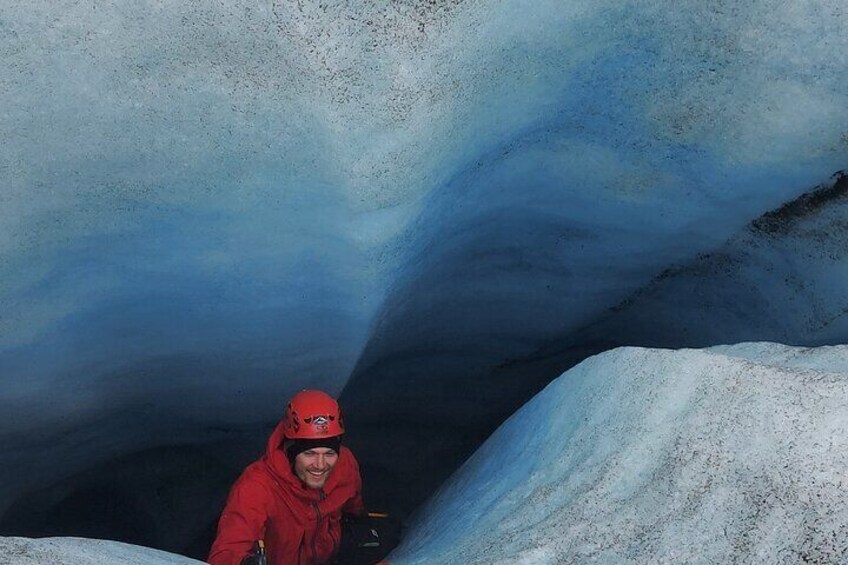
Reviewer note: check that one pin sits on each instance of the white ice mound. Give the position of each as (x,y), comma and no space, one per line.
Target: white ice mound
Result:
(729,454)
(79,551)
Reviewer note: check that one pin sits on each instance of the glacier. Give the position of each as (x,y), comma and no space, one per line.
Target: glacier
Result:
(432,208)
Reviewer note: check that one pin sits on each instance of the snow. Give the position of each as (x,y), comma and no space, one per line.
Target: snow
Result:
(726,454)
(79,551)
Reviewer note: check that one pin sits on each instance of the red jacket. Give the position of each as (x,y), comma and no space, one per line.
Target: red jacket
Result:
(300,525)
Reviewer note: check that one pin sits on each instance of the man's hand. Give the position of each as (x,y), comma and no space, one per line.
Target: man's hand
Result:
(257,555)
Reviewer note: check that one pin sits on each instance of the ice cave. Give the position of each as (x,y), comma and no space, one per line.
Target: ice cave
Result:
(577,271)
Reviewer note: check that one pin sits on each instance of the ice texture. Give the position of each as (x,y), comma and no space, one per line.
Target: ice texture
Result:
(732,454)
(79,551)
(206,206)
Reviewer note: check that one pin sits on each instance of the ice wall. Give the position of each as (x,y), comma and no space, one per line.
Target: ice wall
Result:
(206,206)
(665,132)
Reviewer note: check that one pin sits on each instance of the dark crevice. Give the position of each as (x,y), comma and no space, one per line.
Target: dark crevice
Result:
(166,498)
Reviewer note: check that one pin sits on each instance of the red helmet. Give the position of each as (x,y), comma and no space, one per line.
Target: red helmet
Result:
(312,414)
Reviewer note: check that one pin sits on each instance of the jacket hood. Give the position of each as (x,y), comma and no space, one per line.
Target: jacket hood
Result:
(276,459)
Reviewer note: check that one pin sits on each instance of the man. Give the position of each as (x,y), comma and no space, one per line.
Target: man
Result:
(293,498)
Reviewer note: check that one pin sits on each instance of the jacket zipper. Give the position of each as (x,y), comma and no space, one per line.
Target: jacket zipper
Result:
(317,526)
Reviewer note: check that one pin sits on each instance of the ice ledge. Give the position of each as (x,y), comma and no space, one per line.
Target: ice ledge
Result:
(79,551)
(645,455)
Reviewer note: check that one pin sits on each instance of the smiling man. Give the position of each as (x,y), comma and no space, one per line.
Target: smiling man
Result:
(291,501)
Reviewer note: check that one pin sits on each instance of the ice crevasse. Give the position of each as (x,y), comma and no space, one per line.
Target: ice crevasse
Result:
(431,208)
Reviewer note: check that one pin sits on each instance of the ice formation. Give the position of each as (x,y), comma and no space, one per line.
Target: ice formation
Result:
(78,551)
(431,207)
(728,454)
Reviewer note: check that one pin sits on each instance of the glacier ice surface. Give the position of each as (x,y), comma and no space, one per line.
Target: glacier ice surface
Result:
(725,454)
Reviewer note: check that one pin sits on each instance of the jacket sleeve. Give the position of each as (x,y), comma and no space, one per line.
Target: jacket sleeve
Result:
(242,522)
(355,505)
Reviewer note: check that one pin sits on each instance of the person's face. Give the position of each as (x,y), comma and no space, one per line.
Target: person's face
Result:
(313,466)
